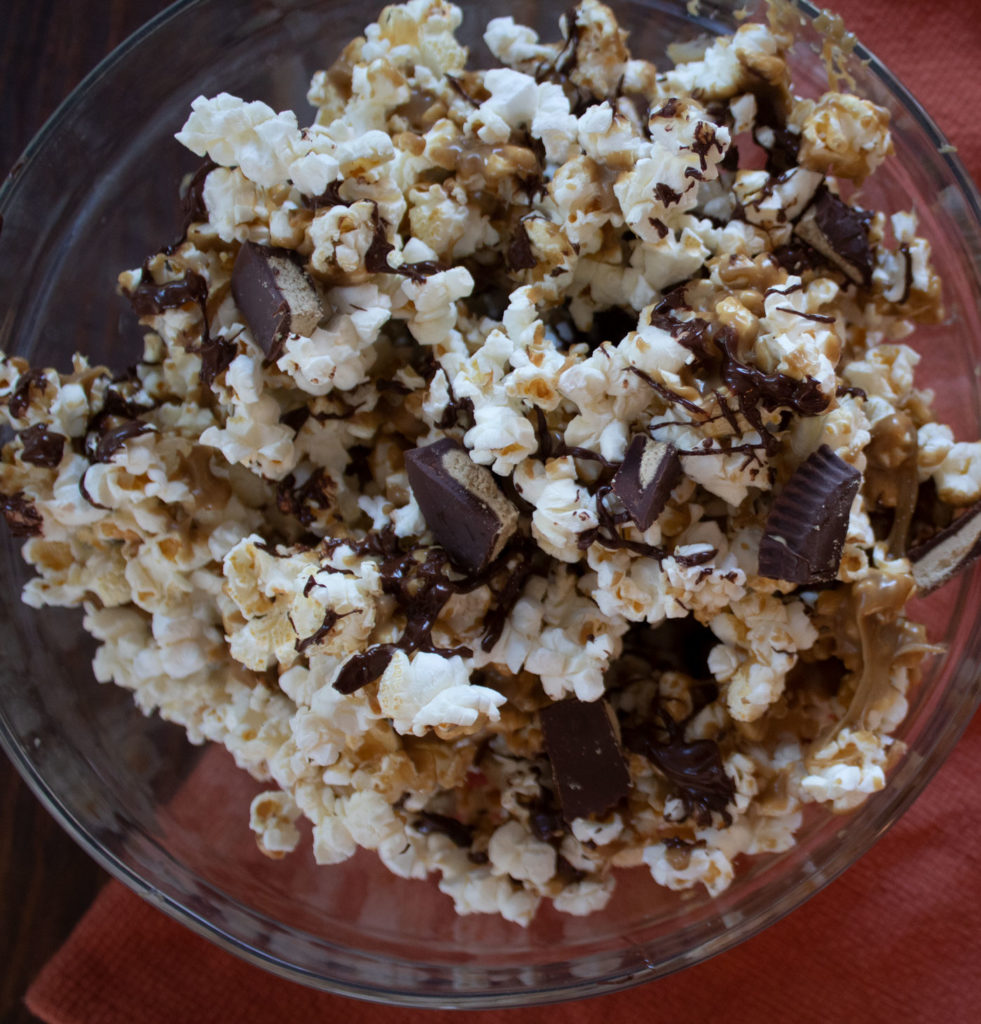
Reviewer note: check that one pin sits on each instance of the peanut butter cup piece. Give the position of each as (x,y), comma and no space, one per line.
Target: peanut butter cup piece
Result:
(644,482)
(275,296)
(461,503)
(840,233)
(938,559)
(805,531)
(588,763)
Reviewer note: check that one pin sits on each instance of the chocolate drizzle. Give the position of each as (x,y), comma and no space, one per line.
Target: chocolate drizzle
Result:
(149,298)
(21,514)
(376,258)
(216,354)
(302,502)
(782,151)
(111,434)
(428,822)
(192,201)
(42,447)
(20,399)
(330,620)
(519,254)
(753,390)
(421,590)
(694,768)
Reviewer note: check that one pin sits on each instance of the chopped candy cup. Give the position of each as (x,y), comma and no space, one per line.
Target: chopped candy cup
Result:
(531,477)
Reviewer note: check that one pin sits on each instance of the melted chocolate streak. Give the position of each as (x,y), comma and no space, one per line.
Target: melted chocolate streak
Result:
(149,298)
(695,768)
(41,446)
(20,399)
(376,258)
(421,590)
(753,390)
(330,620)
(102,445)
(300,502)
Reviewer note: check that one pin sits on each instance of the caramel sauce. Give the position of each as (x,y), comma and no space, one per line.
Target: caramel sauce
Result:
(873,608)
(490,162)
(211,493)
(891,479)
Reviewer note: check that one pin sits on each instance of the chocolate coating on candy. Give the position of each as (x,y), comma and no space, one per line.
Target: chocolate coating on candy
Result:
(275,296)
(939,559)
(805,530)
(588,763)
(650,471)
(461,503)
(840,233)
(42,447)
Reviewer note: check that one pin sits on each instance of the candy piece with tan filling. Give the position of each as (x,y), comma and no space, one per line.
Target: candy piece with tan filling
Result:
(939,559)
(275,297)
(649,472)
(461,503)
(805,530)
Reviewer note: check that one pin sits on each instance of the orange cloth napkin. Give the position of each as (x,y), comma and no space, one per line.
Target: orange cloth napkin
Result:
(896,939)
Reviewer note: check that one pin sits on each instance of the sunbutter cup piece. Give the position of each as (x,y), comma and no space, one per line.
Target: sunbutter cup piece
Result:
(588,763)
(275,296)
(461,503)
(805,530)
(840,233)
(936,561)
(644,482)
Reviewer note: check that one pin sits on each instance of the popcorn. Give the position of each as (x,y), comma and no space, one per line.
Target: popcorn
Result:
(535,267)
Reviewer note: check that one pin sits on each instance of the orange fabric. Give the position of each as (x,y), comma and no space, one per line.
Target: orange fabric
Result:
(896,939)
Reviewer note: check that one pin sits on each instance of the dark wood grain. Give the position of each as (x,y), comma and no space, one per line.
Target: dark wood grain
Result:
(46,881)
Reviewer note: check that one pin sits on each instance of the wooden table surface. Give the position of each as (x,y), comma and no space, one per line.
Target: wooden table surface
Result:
(46,881)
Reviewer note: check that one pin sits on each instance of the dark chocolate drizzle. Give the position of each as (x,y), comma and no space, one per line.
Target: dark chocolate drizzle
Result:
(376,258)
(42,447)
(20,399)
(193,206)
(330,620)
(421,589)
(428,822)
(331,196)
(551,445)
(752,390)
(149,298)
(302,502)
(111,434)
(519,255)
(782,154)
(695,768)
(216,354)
(21,515)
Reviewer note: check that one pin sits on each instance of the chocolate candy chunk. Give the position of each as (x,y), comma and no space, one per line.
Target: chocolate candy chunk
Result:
(588,764)
(805,530)
(840,233)
(939,559)
(42,447)
(461,503)
(275,296)
(644,481)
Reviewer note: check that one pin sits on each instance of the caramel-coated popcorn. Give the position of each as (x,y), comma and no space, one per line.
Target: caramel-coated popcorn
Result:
(372,511)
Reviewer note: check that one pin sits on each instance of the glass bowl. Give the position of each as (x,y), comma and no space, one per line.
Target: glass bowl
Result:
(170,819)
